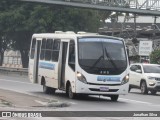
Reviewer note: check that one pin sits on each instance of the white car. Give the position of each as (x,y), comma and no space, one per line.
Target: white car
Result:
(145,76)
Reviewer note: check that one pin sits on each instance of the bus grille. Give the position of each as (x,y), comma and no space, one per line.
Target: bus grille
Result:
(104,84)
(110,90)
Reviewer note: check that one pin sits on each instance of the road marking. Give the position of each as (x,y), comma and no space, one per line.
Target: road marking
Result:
(16,81)
(22,92)
(40,102)
(135,101)
(72,103)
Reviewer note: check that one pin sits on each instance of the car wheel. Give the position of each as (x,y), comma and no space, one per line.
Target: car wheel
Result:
(48,90)
(70,93)
(144,89)
(114,97)
(129,89)
(153,92)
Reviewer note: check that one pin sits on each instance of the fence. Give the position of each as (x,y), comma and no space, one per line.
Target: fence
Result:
(12,61)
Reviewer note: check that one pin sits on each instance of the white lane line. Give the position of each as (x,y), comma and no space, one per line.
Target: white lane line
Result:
(18,91)
(16,81)
(136,101)
(22,92)
(72,103)
(40,102)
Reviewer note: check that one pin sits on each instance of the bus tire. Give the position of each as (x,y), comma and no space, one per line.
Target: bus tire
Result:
(114,97)
(48,90)
(71,95)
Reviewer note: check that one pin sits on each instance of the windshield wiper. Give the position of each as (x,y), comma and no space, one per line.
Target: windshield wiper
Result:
(110,59)
(97,61)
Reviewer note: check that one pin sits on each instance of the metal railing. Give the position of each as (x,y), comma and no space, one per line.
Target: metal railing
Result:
(7,70)
(137,4)
(145,4)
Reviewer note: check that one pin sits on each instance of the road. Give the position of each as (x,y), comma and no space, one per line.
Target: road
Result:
(20,85)
(134,101)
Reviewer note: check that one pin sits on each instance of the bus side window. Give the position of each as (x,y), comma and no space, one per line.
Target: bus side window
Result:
(71,60)
(43,47)
(48,51)
(55,50)
(33,48)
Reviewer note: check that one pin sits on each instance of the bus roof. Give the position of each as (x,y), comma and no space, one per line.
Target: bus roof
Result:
(70,34)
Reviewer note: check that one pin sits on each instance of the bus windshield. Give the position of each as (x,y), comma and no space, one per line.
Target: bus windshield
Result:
(102,55)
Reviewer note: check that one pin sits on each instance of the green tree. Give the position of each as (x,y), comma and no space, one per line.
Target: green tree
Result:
(155,57)
(19,20)
(51,18)
(4,40)
(13,21)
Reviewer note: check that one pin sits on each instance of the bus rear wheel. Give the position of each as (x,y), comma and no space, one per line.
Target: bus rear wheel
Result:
(48,90)
(114,97)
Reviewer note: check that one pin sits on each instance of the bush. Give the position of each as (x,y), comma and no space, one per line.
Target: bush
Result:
(155,57)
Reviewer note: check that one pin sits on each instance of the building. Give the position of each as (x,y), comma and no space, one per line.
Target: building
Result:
(134,30)
(12,59)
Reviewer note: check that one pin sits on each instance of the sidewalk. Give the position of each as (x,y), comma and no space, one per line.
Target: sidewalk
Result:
(14,100)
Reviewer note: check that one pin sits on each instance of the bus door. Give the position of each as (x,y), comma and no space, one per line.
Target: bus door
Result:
(36,61)
(62,65)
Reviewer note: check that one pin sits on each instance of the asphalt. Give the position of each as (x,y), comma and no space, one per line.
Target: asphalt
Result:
(17,93)
(132,102)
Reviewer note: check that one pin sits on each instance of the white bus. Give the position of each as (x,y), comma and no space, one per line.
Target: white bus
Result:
(82,63)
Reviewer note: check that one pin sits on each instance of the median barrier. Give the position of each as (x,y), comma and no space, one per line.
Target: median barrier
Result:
(7,70)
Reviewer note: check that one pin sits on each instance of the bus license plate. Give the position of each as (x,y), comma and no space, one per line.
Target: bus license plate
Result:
(104,89)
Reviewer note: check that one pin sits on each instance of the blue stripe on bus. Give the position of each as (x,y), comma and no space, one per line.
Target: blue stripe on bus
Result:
(108,78)
(45,65)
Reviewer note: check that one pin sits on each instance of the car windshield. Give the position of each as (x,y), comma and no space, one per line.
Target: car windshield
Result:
(102,54)
(151,69)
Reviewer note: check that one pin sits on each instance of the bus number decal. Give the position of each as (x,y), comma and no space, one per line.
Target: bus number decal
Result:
(106,78)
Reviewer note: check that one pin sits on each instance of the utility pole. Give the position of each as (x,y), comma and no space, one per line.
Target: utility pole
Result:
(154,34)
(135,32)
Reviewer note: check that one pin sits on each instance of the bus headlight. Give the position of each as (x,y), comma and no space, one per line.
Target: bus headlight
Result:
(125,79)
(81,77)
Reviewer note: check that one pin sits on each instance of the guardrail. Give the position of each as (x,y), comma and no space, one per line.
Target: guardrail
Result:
(16,70)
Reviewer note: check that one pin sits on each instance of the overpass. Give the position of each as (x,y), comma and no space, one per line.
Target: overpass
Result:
(140,7)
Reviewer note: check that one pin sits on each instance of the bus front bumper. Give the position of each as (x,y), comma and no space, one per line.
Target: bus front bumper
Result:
(82,88)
